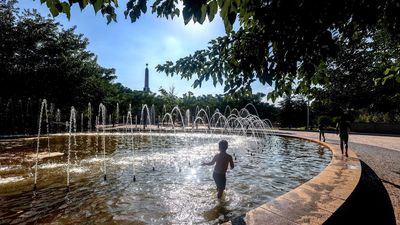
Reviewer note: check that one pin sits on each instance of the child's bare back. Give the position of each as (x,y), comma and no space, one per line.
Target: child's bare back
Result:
(221,160)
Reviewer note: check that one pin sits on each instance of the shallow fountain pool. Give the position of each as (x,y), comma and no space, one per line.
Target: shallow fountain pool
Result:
(178,191)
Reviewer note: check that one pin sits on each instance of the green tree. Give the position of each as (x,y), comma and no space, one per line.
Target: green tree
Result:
(40,60)
(350,78)
(168,98)
(276,39)
(292,111)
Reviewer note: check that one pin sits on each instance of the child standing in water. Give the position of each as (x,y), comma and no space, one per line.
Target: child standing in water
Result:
(221,161)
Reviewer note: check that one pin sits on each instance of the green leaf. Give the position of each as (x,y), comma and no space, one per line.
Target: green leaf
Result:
(212,9)
(59,6)
(187,14)
(203,14)
(196,83)
(387,78)
(98,4)
(387,71)
(115,3)
(52,7)
(129,5)
(226,88)
(219,76)
(83,4)
(232,17)
(376,81)
(225,11)
(398,78)
(177,12)
(108,19)
(66,9)
(143,6)
(271,95)
(132,16)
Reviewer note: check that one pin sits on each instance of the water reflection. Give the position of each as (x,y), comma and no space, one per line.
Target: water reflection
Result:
(179,191)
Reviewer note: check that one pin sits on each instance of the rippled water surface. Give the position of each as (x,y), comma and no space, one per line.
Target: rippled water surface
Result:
(178,191)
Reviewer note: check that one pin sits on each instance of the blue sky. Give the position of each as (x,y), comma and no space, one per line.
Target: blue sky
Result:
(127,46)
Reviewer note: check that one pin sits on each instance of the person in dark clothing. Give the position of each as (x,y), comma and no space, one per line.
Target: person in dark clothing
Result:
(321,132)
(343,128)
(221,161)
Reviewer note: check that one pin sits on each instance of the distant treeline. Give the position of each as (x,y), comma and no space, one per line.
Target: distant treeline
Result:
(22,116)
(42,60)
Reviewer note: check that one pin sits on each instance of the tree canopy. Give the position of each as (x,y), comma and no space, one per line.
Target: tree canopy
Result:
(356,69)
(280,41)
(352,77)
(42,60)
(39,59)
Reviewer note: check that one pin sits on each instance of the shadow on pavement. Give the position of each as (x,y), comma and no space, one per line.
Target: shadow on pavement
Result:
(368,204)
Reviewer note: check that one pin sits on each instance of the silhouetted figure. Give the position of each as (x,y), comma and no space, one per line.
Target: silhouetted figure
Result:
(221,161)
(321,132)
(343,128)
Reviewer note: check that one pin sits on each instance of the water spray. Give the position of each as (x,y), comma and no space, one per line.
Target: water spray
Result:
(42,107)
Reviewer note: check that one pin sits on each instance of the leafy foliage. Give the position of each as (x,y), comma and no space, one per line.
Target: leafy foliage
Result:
(278,40)
(351,78)
(293,111)
(325,121)
(41,61)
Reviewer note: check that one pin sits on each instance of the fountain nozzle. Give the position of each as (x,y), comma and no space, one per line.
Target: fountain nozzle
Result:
(134,178)
(154,169)
(105,177)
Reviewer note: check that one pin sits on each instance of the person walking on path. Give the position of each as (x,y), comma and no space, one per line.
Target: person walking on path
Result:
(321,132)
(343,128)
(221,161)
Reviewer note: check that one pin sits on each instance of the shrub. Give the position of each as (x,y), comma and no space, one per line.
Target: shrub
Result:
(325,120)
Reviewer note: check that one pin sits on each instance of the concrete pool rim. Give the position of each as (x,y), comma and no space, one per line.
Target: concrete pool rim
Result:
(314,201)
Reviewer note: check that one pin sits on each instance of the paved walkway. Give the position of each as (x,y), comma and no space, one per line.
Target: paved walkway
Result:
(381,153)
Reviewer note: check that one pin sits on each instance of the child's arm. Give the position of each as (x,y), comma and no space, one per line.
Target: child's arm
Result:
(337,128)
(231,162)
(210,163)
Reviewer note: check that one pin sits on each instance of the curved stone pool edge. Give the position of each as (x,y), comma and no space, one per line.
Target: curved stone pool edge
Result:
(314,201)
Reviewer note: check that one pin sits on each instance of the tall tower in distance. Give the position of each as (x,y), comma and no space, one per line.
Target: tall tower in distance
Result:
(146,79)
